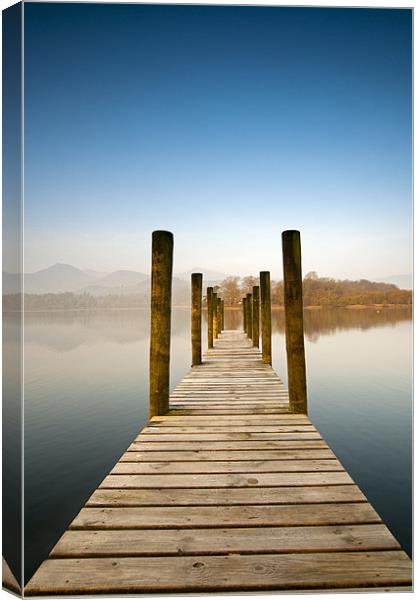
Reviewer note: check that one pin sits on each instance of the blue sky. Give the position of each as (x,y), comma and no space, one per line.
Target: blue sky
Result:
(225,125)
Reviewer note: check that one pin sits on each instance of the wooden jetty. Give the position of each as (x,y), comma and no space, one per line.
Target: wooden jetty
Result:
(229,487)
(228,491)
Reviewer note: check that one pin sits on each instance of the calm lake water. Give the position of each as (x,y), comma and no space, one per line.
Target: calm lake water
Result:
(86,398)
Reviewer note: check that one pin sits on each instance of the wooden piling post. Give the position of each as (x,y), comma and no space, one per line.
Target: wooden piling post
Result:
(161,300)
(294,328)
(266,319)
(209,318)
(244,313)
(215,314)
(222,315)
(196,318)
(249,327)
(219,318)
(255,316)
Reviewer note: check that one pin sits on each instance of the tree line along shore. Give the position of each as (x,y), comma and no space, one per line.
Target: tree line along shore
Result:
(318,292)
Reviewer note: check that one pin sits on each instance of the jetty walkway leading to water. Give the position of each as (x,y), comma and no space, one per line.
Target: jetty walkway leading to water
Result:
(229,491)
(229,487)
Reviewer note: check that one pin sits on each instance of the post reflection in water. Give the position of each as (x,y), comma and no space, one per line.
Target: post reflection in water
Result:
(86,393)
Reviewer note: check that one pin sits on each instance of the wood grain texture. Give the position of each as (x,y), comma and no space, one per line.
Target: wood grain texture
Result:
(232,456)
(226,497)
(227,480)
(245,540)
(222,516)
(218,467)
(196,318)
(161,301)
(294,428)
(221,573)
(266,317)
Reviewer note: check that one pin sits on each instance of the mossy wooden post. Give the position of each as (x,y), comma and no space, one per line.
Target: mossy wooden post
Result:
(265,313)
(219,318)
(294,328)
(209,318)
(222,315)
(196,318)
(215,314)
(247,313)
(244,314)
(161,300)
(249,327)
(255,316)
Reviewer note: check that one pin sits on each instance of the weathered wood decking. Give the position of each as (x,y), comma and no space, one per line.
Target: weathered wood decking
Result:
(229,491)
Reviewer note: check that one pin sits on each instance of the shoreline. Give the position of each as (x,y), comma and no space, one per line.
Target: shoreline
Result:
(230,308)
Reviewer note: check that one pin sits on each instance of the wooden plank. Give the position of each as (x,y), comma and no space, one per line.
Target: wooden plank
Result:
(246,466)
(230,396)
(241,380)
(234,422)
(246,380)
(175,542)
(143,446)
(227,455)
(272,390)
(216,410)
(260,378)
(268,388)
(232,435)
(221,573)
(230,480)
(233,375)
(229,392)
(224,496)
(230,399)
(233,406)
(233,402)
(158,430)
(271,419)
(268,419)
(239,403)
(226,412)
(224,516)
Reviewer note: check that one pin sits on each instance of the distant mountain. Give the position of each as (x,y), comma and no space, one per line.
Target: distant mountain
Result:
(181,291)
(121,279)
(61,278)
(95,274)
(141,288)
(404,282)
(58,278)
(65,278)
(208,275)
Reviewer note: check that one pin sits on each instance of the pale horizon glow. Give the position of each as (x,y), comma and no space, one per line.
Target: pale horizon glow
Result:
(219,253)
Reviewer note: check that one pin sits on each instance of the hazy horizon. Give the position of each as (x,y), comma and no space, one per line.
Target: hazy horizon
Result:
(196,269)
(224,125)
